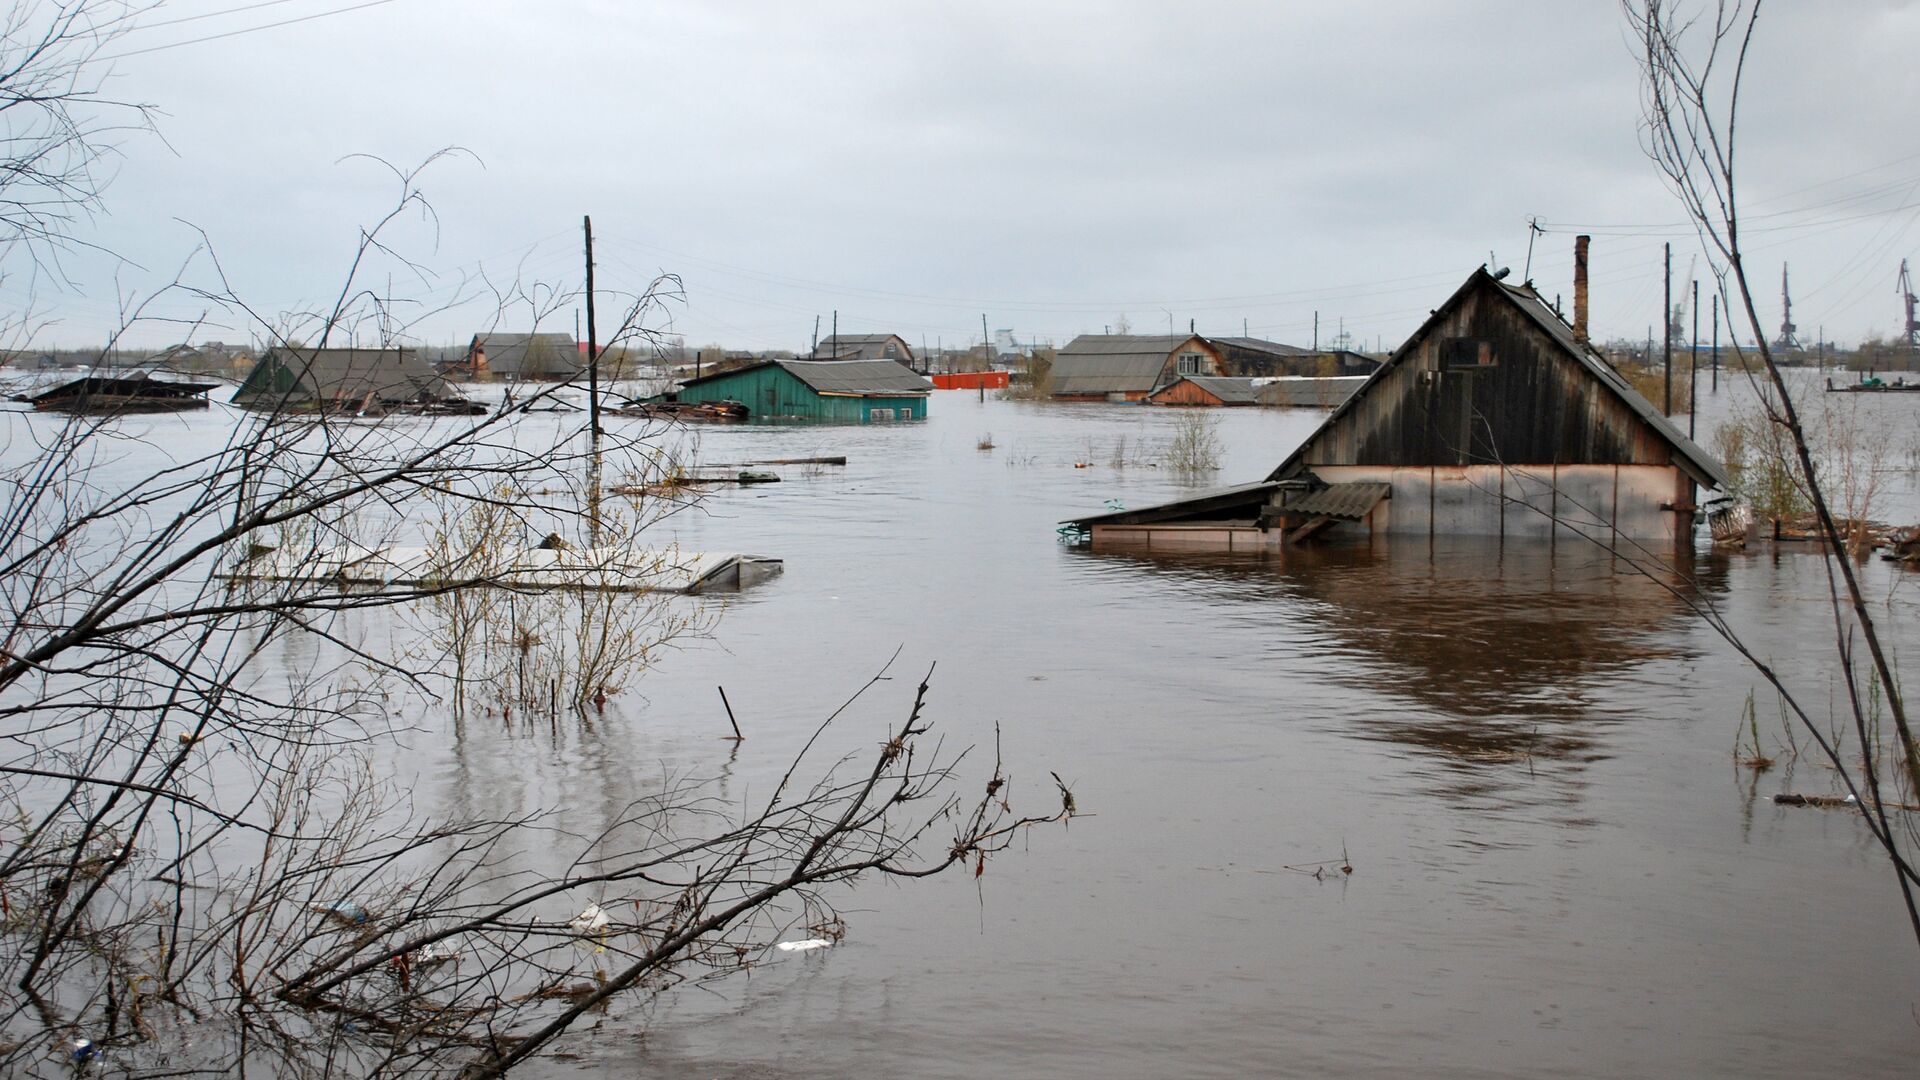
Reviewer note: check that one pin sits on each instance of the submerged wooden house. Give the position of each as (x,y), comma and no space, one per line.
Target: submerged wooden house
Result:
(371,381)
(1128,367)
(842,391)
(106,395)
(1496,418)
(521,358)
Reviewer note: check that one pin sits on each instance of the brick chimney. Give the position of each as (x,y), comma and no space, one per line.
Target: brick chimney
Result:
(1580,287)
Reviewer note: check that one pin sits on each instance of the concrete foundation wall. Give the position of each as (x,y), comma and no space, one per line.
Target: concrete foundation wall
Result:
(1604,502)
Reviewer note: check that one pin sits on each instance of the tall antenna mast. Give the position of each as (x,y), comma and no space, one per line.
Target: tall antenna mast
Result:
(1788,342)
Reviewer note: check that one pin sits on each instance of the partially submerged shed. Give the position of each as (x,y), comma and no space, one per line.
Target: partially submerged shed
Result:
(1207,391)
(107,395)
(1128,367)
(1494,419)
(370,381)
(844,391)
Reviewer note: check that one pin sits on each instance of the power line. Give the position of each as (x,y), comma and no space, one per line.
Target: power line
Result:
(211,14)
(247,30)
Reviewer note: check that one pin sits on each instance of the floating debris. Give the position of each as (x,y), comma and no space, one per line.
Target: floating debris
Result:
(591,920)
(806,945)
(344,911)
(613,569)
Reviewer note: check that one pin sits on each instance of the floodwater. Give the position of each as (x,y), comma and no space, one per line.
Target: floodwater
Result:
(1525,756)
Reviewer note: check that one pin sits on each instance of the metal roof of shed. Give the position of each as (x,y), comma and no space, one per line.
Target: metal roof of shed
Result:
(850,378)
(1350,502)
(1228,388)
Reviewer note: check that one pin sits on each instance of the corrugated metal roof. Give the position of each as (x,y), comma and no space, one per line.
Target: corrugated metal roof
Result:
(1227,388)
(1349,502)
(1113,363)
(1309,391)
(861,378)
(351,375)
(1254,344)
(1224,497)
(856,378)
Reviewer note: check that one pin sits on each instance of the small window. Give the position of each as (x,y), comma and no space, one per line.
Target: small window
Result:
(880,414)
(1191,363)
(1465,354)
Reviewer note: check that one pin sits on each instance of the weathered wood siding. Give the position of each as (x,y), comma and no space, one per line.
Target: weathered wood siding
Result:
(1530,404)
(1186,392)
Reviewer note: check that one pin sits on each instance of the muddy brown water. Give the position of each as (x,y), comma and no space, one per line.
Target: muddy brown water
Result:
(1525,754)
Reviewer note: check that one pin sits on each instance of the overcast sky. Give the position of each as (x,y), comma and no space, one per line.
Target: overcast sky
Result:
(1054,166)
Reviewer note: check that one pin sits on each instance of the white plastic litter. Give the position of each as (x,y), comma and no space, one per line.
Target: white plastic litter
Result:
(803,946)
(591,920)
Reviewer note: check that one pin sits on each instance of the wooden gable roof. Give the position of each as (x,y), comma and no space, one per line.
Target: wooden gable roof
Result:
(1494,377)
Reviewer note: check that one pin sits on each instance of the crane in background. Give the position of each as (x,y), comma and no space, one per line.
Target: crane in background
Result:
(1905,287)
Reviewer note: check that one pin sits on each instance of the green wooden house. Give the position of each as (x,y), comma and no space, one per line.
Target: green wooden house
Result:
(839,391)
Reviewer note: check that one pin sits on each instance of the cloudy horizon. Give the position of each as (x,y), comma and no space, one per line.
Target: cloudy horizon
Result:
(1057,169)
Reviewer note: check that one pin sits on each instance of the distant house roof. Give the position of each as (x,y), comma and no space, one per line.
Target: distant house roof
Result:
(341,376)
(863,347)
(1113,363)
(850,378)
(1696,462)
(534,356)
(1261,345)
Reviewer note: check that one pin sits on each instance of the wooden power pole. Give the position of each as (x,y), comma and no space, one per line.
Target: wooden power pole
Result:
(593,344)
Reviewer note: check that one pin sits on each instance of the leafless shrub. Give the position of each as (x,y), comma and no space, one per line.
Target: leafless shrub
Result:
(1195,446)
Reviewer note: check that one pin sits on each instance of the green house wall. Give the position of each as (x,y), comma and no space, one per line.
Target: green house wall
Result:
(772,393)
(271,379)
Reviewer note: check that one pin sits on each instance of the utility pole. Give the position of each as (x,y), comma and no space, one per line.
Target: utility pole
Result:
(986,355)
(1716,342)
(1693,365)
(833,347)
(1316,331)
(593,344)
(1666,333)
(813,352)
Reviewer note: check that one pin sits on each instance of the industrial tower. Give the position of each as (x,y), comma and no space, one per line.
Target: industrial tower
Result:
(1787,341)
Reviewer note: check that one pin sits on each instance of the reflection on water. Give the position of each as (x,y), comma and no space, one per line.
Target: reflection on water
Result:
(1478,652)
